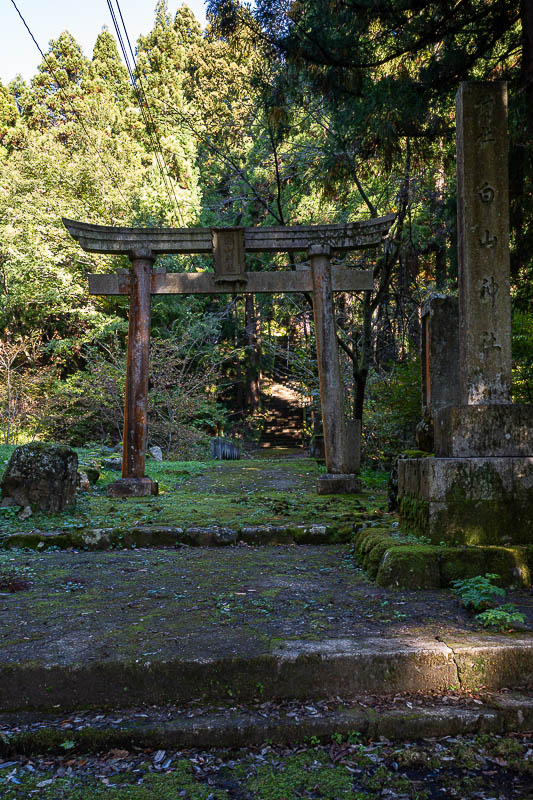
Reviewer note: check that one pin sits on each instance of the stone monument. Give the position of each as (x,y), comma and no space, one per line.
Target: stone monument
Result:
(478,488)
(439,363)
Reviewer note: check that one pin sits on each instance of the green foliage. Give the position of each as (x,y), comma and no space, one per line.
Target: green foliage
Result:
(501,617)
(522,349)
(478,593)
(392,411)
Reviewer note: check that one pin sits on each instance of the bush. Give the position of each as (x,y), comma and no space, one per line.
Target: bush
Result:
(478,593)
(392,412)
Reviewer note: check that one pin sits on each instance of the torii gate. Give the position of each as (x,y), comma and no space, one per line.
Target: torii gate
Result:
(229,247)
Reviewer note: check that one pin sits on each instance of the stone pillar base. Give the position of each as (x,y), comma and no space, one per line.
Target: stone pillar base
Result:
(338,484)
(132,487)
(474,501)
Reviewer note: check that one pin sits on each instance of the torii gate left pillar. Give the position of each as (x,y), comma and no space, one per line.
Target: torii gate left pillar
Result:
(228,246)
(133,481)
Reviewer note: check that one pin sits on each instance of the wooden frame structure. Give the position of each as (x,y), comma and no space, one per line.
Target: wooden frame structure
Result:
(229,247)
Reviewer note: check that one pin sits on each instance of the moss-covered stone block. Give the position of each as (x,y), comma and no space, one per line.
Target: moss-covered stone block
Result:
(414,514)
(457,563)
(391,558)
(374,558)
(368,538)
(468,501)
(510,563)
(410,567)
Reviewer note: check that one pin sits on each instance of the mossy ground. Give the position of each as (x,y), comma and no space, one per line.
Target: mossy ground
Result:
(251,491)
(465,767)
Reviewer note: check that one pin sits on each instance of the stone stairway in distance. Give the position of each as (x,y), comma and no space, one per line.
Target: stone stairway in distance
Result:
(283,418)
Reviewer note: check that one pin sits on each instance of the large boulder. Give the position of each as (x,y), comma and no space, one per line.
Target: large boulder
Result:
(41,476)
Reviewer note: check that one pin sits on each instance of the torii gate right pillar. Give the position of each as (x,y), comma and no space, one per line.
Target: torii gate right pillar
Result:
(340,463)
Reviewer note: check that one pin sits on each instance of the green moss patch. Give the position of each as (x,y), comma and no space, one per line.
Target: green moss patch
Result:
(250,493)
(414,514)
(409,567)
(395,559)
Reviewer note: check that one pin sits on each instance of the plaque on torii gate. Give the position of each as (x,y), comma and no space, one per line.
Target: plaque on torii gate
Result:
(229,247)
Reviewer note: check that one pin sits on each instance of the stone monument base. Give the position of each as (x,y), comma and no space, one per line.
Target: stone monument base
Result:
(132,487)
(474,501)
(338,484)
(471,431)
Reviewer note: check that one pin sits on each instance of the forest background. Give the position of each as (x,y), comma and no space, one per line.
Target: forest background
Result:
(282,114)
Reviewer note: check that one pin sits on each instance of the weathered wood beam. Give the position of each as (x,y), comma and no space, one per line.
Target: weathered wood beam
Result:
(116,240)
(342,280)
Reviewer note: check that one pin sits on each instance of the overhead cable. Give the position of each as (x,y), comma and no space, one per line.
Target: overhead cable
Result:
(144,106)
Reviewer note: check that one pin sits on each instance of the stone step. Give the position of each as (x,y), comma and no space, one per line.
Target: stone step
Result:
(409,717)
(169,536)
(290,670)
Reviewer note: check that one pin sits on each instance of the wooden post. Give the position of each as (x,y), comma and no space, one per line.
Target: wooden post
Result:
(134,482)
(339,478)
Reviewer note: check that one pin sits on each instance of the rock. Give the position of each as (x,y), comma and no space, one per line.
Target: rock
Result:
(424,432)
(112,463)
(41,476)
(25,513)
(82,482)
(156,453)
(91,469)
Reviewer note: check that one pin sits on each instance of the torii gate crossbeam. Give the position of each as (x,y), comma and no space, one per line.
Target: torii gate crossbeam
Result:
(229,246)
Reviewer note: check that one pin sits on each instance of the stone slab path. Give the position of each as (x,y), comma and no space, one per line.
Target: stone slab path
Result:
(243,623)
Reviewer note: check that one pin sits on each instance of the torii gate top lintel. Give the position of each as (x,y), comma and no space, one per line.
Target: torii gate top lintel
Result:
(117,240)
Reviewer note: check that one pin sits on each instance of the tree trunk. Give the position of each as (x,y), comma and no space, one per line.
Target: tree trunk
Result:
(360,367)
(240,403)
(252,323)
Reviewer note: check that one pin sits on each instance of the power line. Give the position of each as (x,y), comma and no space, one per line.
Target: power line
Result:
(74,110)
(144,106)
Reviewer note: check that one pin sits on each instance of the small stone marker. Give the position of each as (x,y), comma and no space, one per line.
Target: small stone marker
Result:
(440,352)
(439,363)
(41,477)
(156,452)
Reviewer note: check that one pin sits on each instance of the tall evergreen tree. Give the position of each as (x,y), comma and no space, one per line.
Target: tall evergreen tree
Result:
(55,96)
(107,66)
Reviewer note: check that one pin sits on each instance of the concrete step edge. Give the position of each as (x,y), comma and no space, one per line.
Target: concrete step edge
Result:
(250,728)
(302,670)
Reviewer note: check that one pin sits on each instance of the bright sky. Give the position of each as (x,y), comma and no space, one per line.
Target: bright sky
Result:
(48,18)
